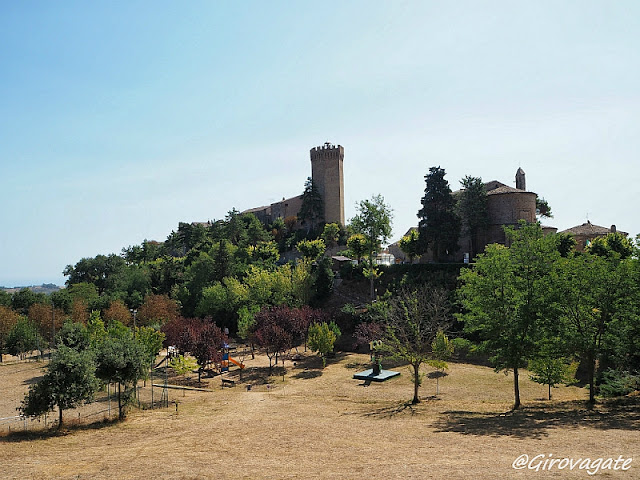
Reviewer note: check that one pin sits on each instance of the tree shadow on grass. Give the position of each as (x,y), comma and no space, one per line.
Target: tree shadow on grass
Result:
(33,380)
(255,375)
(308,374)
(398,408)
(536,421)
(67,429)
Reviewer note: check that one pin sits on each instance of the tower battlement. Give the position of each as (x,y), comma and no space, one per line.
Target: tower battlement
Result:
(327,150)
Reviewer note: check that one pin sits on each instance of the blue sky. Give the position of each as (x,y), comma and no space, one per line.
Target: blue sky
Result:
(120,119)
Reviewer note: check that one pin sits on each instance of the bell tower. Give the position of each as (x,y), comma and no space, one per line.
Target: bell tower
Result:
(521,184)
(327,176)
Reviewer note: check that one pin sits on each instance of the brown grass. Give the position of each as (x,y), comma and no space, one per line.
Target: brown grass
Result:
(323,424)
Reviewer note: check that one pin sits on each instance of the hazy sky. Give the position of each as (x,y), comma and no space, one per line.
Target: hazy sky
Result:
(120,119)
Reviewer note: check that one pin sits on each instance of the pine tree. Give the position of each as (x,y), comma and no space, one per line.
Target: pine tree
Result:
(439,225)
(473,211)
(312,209)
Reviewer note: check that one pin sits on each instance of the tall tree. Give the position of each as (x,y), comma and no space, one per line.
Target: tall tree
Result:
(473,211)
(412,325)
(506,297)
(311,212)
(439,224)
(98,271)
(122,360)
(373,220)
(593,293)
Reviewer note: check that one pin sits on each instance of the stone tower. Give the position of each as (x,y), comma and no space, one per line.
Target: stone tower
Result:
(327,176)
(521,184)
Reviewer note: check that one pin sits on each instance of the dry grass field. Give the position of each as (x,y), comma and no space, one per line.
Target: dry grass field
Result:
(320,423)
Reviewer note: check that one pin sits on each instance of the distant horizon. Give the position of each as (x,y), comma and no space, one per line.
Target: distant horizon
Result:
(30,285)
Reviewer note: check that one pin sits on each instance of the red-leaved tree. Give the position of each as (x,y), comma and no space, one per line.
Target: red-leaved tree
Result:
(273,332)
(202,338)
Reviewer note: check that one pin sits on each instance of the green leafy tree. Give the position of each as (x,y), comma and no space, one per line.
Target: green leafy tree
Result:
(8,319)
(322,338)
(331,234)
(542,208)
(412,323)
(311,249)
(506,297)
(472,210)
(594,294)
(373,220)
(69,381)
(5,299)
(410,244)
(25,298)
(439,224)
(566,244)
(23,338)
(264,253)
(612,245)
(357,245)
(322,281)
(99,271)
(151,341)
(551,371)
(372,273)
(120,359)
(182,365)
(96,329)
(198,276)
(441,349)
(74,336)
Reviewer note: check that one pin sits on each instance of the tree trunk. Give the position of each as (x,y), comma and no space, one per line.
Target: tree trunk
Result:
(373,293)
(516,388)
(592,374)
(549,391)
(120,411)
(59,417)
(416,384)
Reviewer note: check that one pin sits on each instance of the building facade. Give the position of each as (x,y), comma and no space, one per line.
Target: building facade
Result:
(328,178)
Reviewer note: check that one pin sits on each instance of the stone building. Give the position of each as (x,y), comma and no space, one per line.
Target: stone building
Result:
(583,234)
(506,206)
(327,176)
